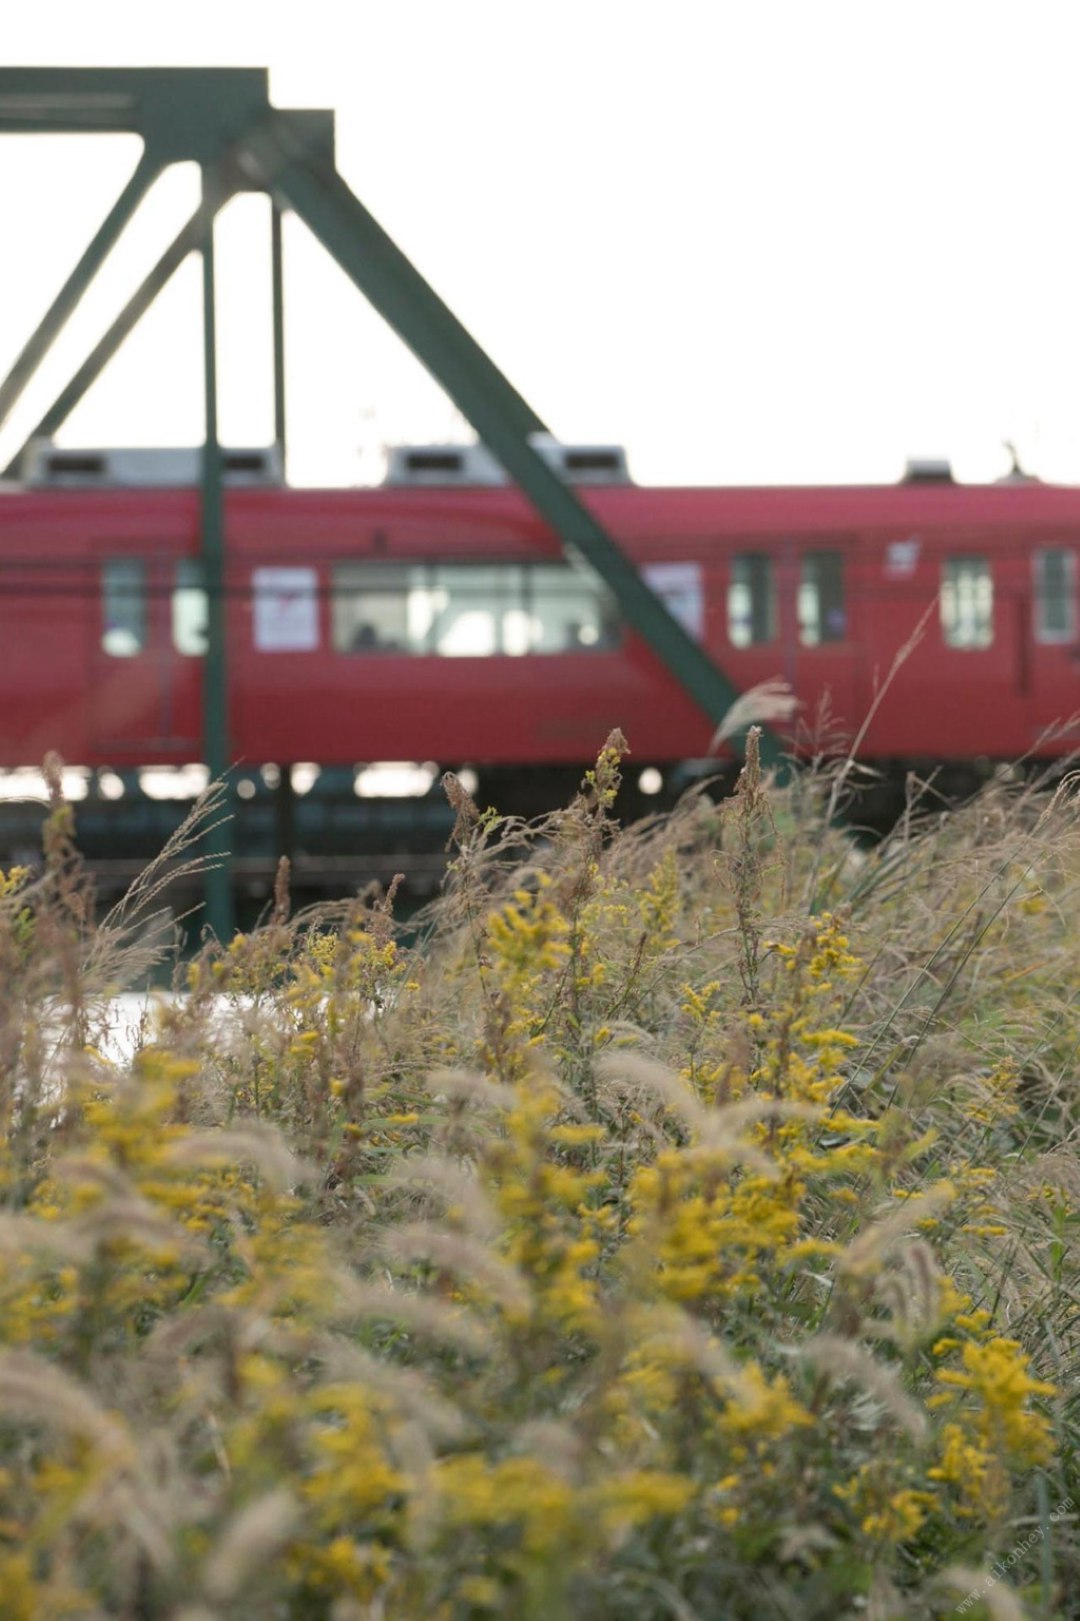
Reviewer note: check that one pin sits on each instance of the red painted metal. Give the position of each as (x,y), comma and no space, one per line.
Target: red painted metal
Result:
(59,690)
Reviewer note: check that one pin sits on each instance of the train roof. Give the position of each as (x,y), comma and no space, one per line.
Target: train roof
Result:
(628,509)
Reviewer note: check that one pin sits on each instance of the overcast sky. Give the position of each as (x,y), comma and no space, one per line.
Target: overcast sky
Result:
(752,241)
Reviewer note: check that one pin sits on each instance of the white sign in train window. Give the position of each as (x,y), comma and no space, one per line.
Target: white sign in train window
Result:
(285,610)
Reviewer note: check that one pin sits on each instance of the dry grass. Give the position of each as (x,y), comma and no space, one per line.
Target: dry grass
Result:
(682,1224)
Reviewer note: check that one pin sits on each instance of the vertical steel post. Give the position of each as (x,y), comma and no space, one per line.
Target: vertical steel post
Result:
(279,330)
(219,899)
(285,797)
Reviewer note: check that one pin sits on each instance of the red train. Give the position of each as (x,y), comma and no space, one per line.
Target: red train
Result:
(417,622)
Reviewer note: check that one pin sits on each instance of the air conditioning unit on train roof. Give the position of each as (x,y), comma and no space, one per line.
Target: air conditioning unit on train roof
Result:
(583,464)
(475,464)
(47,465)
(443,464)
(928,470)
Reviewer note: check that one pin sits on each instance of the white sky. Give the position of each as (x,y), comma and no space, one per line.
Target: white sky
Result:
(752,241)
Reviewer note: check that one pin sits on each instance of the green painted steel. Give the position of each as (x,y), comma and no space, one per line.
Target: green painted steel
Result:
(277,276)
(501,418)
(292,171)
(187,241)
(219,897)
(63,305)
(182,114)
(222,119)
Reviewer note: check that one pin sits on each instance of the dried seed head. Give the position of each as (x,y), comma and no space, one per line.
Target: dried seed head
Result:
(999,1601)
(251,1538)
(281,892)
(844,1359)
(768,702)
(874,1243)
(464,807)
(254,1143)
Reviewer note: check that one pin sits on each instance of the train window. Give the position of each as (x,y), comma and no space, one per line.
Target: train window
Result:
(123,607)
(751,603)
(469,610)
(379,608)
(189,612)
(822,615)
(1055,595)
(566,612)
(967,602)
(477,610)
(680,588)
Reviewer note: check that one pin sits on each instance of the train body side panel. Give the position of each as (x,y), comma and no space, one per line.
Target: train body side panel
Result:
(315,701)
(70,681)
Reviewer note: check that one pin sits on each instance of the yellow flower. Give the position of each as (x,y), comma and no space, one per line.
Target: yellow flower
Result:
(642,1495)
(761,1409)
(517,1492)
(996,1374)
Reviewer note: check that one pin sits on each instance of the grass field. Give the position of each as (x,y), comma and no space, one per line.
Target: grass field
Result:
(682,1224)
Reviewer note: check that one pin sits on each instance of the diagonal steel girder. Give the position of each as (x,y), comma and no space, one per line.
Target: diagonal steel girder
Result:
(273,156)
(64,304)
(316,193)
(188,240)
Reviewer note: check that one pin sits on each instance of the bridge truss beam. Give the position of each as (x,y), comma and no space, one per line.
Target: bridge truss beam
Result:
(222,119)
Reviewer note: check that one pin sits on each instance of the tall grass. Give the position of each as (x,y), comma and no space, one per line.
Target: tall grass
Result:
(680,1225)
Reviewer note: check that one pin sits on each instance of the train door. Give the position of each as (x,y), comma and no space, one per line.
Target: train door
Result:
(787,618)
(946,647)
(1050,632)
(144,681)
(971,699)
(817,620)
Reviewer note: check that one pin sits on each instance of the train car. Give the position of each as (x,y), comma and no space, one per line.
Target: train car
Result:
(434,618)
